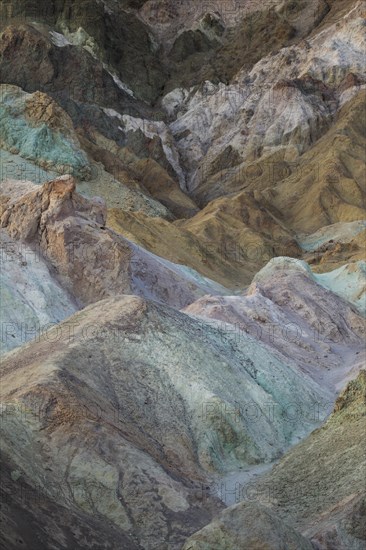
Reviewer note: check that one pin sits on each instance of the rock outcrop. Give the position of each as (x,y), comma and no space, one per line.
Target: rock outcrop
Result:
(31,298)
(286,308)
(36,128)
(91,261)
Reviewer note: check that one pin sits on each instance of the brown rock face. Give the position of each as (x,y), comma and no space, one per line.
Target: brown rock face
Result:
(30,60)
(66,227)
(16,47)
(26,220)
(42,108)
(91,261)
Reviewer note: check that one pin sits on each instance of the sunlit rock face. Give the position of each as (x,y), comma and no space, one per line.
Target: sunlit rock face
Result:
(182,225)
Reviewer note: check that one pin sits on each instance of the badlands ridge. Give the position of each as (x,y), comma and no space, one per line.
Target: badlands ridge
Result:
(183,289)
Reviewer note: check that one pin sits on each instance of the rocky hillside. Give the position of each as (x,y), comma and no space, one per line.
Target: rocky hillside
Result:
(183,274)
(318,488)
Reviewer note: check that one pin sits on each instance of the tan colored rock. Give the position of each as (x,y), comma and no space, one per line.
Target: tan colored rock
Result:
(42,108)
(164,189)
(329,185)
(228,241)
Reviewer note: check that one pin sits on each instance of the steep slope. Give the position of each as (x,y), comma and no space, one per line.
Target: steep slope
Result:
(31,299)
(127,408)
(214,40)
(90,261)
(36,128)
(328,472)
(318,488)
(273,113)
(323,186)
(228,241)
(337,193)
(114,35)
(155,46)
(182,307)
(288,310)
